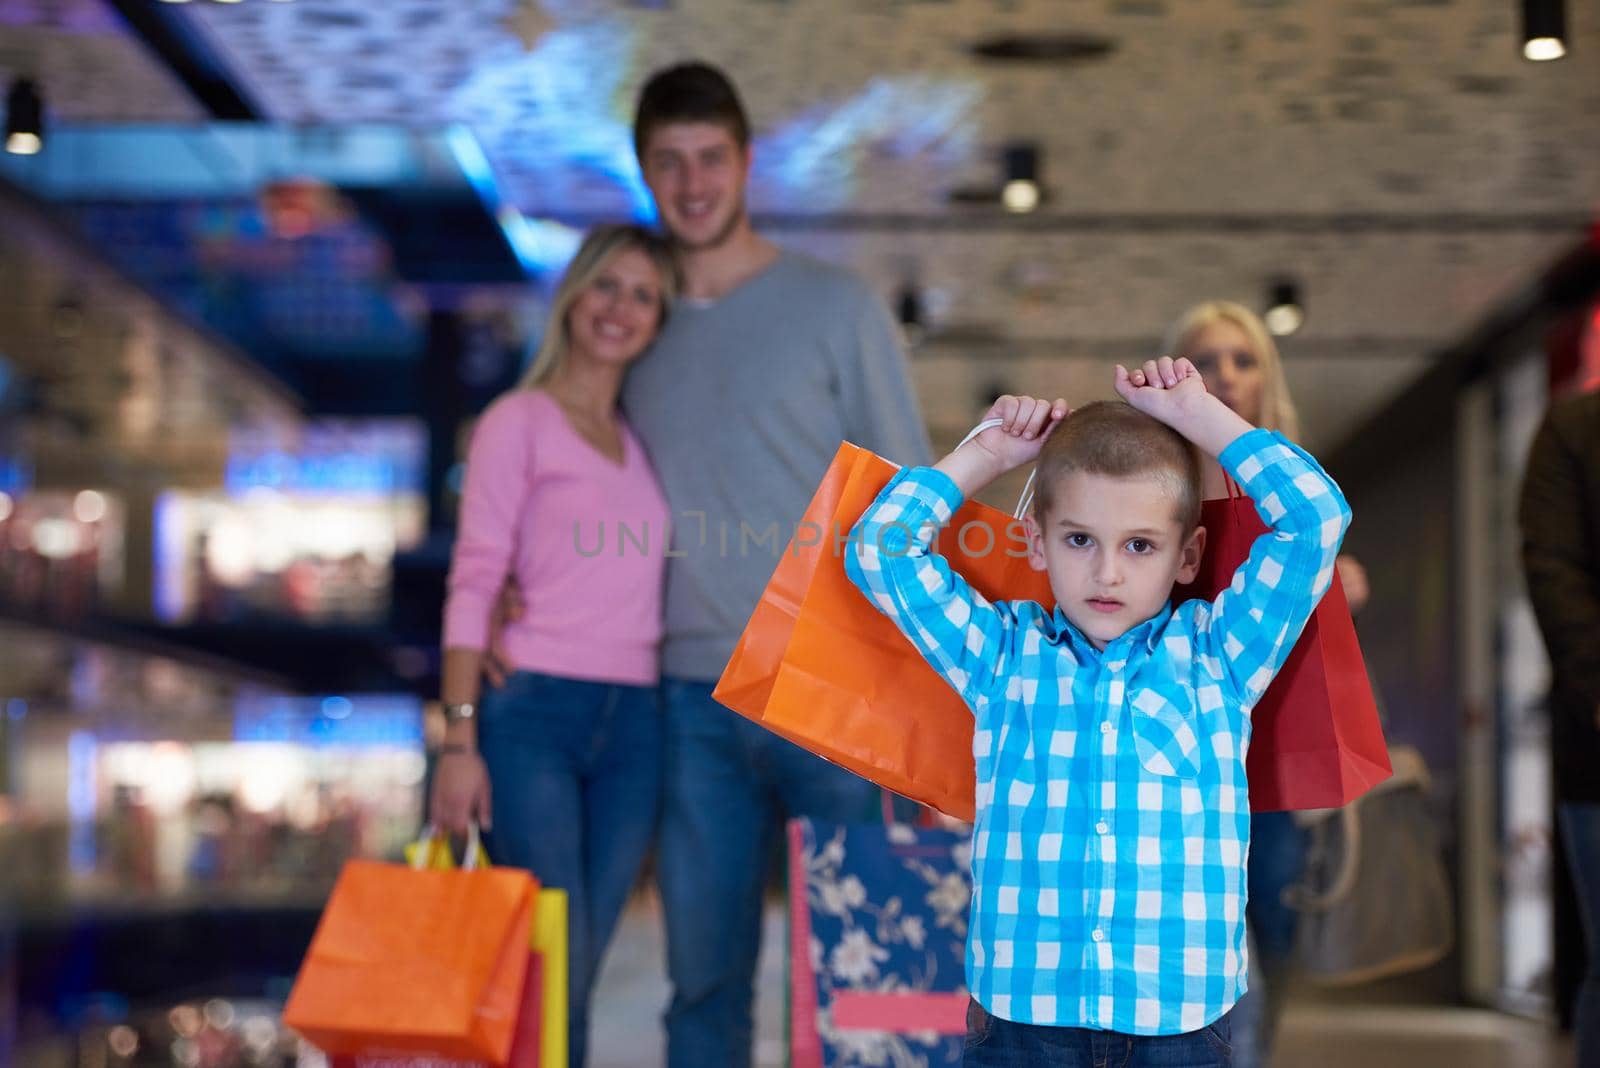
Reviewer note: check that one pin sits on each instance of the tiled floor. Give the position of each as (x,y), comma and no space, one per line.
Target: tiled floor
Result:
(633,992)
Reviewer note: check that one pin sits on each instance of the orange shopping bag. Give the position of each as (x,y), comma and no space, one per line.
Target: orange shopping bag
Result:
(822,667)
(409,960)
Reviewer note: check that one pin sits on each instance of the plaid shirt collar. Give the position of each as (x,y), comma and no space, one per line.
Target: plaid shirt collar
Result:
(1116,652)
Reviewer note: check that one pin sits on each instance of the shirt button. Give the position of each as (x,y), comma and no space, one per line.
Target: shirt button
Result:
(1098,935)
(1102,828)
(1105,727)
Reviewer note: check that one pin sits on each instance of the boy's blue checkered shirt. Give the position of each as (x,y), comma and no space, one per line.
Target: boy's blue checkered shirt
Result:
(1113,816)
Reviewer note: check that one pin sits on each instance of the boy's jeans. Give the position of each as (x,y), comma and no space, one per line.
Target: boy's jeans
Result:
(996,1043)
(575,779)
(727,780)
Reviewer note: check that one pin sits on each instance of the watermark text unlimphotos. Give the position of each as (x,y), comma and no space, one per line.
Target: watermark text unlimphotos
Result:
(694,535)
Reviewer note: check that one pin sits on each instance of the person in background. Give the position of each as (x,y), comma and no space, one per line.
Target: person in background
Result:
(1233,351)
(561,761)
(771,359)
(1560,519)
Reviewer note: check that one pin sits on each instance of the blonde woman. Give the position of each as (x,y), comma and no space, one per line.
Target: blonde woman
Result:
(561,762)
(1236,356)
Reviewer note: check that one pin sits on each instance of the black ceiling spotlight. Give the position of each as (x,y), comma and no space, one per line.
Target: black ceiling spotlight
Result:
(1021,192)
(1286,312)
(1544,29)
(908,309)
(24,119)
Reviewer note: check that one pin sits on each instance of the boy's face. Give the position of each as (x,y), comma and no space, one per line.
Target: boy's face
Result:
(697,173)
(1113,547)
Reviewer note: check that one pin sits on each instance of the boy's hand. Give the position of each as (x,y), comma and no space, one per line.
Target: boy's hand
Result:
(1173,392)
(1016,441)
(1028,421)
(1161,386)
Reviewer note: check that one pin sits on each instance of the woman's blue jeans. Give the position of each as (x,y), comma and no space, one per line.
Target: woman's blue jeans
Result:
(575,774)
(1276,862)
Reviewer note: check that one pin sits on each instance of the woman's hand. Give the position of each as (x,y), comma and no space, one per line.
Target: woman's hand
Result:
(460,793)
(1353,577)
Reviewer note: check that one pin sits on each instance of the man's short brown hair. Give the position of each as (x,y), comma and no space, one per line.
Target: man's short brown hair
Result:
(1115,439)
(689,92)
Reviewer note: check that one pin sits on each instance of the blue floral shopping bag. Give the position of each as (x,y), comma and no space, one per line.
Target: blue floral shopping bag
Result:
(877,944)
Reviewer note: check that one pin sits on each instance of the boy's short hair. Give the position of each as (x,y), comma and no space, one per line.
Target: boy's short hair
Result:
(689,92)
(1115,439)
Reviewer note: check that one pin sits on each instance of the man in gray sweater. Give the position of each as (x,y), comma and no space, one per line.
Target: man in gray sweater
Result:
(769,360)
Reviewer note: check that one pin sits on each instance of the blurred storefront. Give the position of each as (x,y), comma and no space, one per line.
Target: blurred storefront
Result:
(170,821)
(304,530)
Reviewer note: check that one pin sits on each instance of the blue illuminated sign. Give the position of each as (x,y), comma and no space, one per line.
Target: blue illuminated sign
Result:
(16,475)
(354,721)
(377,461)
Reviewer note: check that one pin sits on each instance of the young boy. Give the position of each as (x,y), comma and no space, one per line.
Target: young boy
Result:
(1113,816)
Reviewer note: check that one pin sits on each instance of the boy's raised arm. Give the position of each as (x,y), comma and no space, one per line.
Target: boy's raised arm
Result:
(1253,624)
(891,559)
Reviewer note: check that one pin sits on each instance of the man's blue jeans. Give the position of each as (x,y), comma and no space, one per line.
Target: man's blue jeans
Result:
(1580,831)
(996,1043)
(575,774)
(728,781)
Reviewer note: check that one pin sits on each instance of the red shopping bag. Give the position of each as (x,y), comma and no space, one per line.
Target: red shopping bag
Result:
(820,666)
(1316,741)
(524,1043)
(417,962)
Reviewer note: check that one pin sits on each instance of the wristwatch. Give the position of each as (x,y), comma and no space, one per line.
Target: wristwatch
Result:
(456,713)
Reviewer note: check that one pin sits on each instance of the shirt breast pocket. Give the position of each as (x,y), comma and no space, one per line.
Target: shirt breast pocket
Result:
(1164,734)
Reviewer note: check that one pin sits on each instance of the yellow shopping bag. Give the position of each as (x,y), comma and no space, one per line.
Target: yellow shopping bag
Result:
(550,943)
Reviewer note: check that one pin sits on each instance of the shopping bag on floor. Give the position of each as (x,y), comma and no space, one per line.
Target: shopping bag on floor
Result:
(412,961)
(877,944)
(1315,739)
(820,666)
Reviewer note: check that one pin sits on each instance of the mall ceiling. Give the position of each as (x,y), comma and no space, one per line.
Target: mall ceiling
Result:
(1398,158)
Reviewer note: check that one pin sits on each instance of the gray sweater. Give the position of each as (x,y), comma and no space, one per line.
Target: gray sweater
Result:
(741,405)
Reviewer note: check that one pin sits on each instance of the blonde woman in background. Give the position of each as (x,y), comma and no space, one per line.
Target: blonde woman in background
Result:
(561,761)
(1236,356)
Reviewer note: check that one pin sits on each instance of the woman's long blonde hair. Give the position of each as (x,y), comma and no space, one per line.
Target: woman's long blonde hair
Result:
(1277,408)
(599,246)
